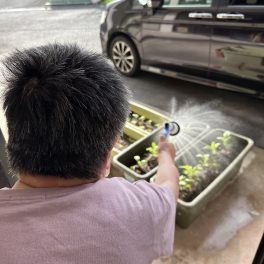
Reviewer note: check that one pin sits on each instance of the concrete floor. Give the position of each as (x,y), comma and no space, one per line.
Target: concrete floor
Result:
(230,229)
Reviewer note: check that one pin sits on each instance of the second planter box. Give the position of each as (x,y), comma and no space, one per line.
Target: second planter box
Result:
(125,160)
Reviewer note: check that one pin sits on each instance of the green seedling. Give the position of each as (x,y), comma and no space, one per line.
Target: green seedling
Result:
(142,118)
(185,183)
(133,121)
(124,141)
(204,160)
(136,116)
(133,167)
(213,147)
(190,171)
(139,161)
(142,165)
(149,122)
(153,149)
(214,165)
(225,138)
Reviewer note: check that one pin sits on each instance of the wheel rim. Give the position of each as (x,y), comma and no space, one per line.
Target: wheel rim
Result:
(123,57)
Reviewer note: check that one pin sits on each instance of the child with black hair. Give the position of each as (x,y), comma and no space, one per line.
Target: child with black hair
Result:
(65,109)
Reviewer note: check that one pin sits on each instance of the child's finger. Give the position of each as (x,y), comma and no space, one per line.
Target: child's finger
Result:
(163,139)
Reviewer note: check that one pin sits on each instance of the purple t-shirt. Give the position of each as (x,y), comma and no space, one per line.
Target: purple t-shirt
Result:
(111,221)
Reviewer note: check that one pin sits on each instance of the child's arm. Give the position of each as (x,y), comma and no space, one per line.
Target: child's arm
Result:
(167,174)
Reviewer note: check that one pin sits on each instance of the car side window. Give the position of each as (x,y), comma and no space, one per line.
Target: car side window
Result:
(246,2)
(186,3)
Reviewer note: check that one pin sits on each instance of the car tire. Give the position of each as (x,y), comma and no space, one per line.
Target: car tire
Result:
(124,55)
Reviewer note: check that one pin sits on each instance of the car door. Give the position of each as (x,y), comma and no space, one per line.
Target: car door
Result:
(177,35)
(237,50)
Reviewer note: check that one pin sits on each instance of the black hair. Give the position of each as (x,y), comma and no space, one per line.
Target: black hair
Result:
(64,108)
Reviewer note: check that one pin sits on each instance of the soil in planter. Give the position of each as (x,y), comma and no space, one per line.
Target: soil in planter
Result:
(146,162)
(142,122)
(204,163)
(124,142)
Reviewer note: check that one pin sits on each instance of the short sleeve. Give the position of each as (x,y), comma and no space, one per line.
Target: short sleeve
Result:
(162,208)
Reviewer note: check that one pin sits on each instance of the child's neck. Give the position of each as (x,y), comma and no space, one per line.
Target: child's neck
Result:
(39,181)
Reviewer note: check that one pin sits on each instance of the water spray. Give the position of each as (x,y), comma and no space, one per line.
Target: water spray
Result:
(171,128)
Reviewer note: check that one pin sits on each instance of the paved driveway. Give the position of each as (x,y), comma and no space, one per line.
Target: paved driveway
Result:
(19,29)
(9,4)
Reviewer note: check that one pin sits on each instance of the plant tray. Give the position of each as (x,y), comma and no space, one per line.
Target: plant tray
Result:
(187,212)
(126,159)
(149,114)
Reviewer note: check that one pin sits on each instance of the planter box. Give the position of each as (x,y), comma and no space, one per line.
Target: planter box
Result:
(137,133)
(129,131)
(149,113)
(187,212)
(126,159)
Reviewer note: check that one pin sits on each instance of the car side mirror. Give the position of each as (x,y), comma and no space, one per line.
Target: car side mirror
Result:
(151,3)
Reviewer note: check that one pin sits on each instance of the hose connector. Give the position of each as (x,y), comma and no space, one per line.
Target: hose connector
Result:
(171,128)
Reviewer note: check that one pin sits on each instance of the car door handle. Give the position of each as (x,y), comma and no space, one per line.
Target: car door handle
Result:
(230,16)
(200,15)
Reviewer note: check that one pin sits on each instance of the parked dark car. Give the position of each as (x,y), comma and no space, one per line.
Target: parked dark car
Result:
(214,42)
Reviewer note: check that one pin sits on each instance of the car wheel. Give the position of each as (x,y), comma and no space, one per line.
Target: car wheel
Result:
(124,55)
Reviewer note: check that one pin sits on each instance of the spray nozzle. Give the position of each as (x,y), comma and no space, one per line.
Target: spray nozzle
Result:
(171,128)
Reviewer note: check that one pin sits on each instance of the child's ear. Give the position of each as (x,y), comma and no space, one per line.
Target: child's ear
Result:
(109,158)
(115,140)
(108,164)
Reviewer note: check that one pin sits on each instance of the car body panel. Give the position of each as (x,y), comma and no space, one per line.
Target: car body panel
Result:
(170,39)
(122,19)
(237,47)
(224,54)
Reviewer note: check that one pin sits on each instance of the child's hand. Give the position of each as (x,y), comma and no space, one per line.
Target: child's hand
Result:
(166,147)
